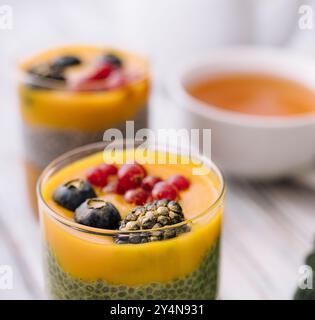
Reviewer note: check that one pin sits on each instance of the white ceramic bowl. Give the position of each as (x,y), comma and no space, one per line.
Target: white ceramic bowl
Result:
(243,145)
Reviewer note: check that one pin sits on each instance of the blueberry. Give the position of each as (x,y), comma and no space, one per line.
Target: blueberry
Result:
(71,194)
(98,213)
(113,60)
(66,61)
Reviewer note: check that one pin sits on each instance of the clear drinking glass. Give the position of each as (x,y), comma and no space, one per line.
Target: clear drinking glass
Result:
(82,262)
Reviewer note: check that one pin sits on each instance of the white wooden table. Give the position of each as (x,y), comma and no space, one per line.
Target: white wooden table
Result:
(268,228)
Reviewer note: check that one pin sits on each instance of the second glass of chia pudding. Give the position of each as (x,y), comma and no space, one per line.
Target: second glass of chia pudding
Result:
(70,95)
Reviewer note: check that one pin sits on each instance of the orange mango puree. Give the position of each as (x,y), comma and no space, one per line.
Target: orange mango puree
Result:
(86,111)
(92,257)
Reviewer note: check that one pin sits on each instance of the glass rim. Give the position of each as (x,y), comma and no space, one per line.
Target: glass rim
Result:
(49,170)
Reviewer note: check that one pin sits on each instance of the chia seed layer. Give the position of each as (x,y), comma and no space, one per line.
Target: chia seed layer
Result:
(201,284)
(42,144)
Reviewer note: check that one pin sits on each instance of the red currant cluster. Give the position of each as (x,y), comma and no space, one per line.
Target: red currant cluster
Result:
(132,181)
(107,74)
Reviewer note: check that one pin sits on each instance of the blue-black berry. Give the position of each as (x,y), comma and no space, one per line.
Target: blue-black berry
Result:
(66,61)
(98,213)
(71,194)
(113,60)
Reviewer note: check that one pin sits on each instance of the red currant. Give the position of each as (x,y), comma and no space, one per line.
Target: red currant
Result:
(101,72)
(108,169)
(149,182)
(164,190)
(130,176)
(179,181)
(97,177)
(120,188)
(137,196)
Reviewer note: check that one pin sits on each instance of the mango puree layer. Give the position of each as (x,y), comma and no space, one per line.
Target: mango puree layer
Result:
(86,111)
(91,257)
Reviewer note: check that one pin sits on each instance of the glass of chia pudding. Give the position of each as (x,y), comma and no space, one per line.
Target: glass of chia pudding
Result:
(139,226)
(70,95)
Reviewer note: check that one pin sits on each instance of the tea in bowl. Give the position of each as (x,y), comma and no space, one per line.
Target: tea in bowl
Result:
(259,104)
